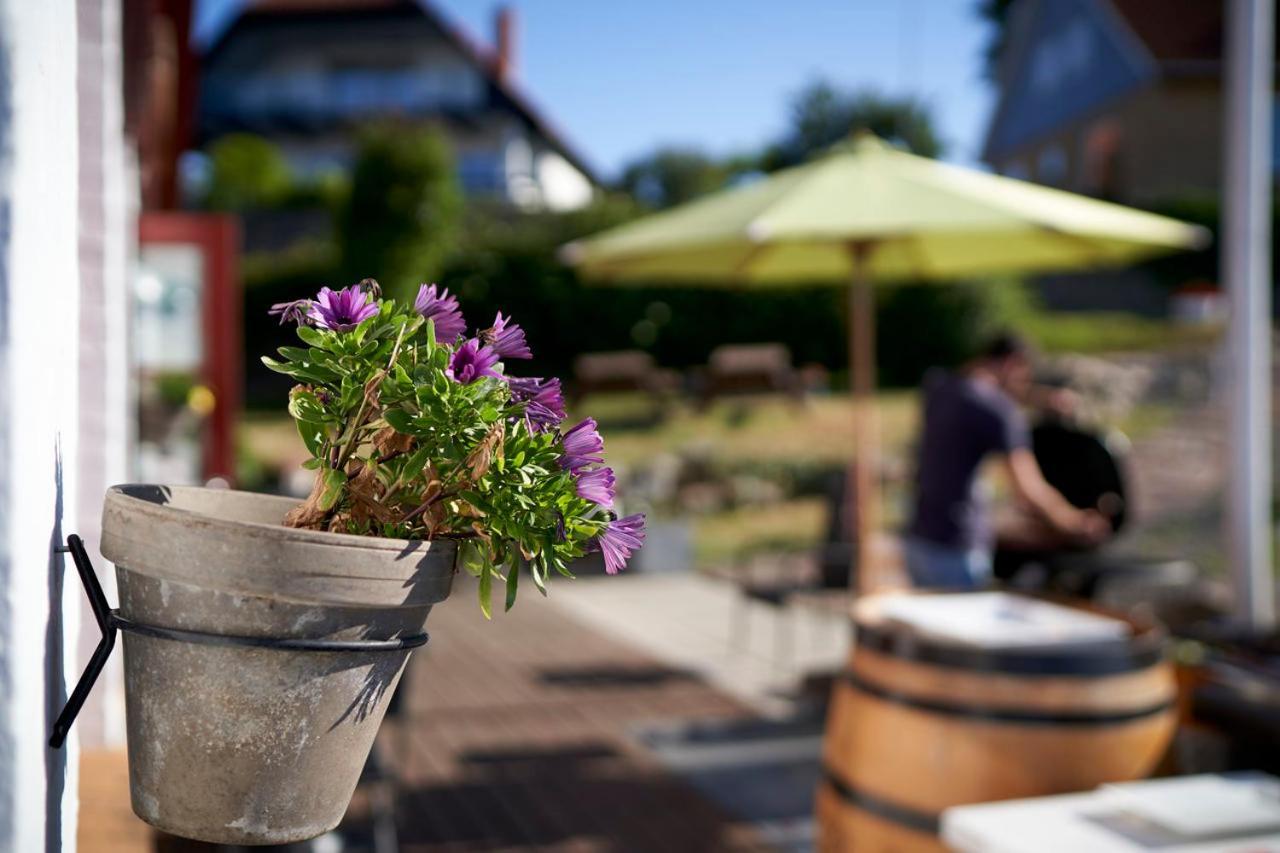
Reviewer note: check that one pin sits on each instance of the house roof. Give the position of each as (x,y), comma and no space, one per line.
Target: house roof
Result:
(479,55)
(1176,30)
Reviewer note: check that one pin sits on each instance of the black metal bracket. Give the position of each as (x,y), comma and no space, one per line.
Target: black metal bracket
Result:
(103,614)
(110,621)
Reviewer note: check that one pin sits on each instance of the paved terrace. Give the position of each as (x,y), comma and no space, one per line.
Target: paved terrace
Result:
(620,714)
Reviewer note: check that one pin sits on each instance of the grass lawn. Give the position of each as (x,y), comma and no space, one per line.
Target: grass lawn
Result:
(725,537)
(751,429)
(759,429)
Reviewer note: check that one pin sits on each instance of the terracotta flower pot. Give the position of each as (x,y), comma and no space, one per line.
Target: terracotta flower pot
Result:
(240,744)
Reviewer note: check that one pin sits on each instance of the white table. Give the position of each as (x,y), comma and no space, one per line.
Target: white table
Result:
(1073,823)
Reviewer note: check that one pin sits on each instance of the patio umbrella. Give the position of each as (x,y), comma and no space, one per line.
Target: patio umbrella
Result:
(865,212)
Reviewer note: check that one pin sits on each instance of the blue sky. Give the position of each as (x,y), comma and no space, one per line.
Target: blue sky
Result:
(621,78)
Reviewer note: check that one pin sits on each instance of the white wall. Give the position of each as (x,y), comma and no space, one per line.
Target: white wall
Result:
(539,178)
(39,316)
(563,186)
(104,393)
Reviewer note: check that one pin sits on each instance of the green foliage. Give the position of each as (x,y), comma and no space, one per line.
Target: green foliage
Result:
(938,325)
(403,448)
(822,115)
(943,324)
(512,264)
(247,172)
(1111,331)
(995,13)
(250,173)
(401,214)
(672,176)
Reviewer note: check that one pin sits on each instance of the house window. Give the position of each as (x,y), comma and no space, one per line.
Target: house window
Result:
(482,172)
(1062,58)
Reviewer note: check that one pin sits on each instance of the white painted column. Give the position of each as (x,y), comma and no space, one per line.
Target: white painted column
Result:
(39,317)
(1246,269)
(105,402)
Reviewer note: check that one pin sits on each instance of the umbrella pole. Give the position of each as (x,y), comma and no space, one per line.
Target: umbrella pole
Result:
(863,508)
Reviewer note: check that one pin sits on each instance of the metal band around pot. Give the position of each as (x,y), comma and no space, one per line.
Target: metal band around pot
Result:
(110,621)
(292,644)
(1142,651)
(892,812)
(1005,715)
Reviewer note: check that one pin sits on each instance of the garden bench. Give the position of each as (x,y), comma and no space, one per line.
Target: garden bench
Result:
(624,370)
(750,369)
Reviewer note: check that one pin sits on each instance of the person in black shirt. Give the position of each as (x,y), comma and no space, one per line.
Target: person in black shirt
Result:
(968,416)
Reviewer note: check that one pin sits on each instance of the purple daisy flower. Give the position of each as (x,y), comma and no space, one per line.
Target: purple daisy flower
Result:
(543,401)
(582,446)
(341,310)
(437,305)
(617,542)
(507,338)
(291,312)
(472,361)
(597,485)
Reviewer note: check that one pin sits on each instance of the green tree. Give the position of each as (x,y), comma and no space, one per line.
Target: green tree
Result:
(822,115)
(671,176)
(996,13)
(246,172)
(400,218)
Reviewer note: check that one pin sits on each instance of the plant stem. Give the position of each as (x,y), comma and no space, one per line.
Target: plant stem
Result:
(426,505)
(353,432)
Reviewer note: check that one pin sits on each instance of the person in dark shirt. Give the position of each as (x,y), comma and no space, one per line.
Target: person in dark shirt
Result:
(970,415)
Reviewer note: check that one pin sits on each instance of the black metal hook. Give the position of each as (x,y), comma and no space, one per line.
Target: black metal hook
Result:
(106,624)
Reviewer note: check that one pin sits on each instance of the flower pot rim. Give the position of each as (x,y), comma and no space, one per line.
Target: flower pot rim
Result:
(127,493)
(225,541)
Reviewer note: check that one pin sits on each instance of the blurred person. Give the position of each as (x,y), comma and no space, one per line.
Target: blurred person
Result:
(970,415)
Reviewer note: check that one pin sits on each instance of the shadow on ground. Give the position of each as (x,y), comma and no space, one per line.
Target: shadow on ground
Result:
(587,796)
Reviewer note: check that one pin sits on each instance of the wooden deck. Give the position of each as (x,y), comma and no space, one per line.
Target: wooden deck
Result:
(512,735)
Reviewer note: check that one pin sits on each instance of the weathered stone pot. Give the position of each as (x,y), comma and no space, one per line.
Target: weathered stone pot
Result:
(237,744)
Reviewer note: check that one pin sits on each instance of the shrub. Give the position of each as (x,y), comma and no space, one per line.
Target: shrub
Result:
(401,214)
(246,172)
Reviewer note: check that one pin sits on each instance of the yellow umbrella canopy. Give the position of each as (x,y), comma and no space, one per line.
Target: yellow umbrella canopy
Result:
(864,212)
(923,219)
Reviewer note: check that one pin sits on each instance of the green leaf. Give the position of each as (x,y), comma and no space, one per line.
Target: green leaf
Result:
(312,435)
(333,481)
(400,421)
(513,582)
(419,459)
(486,592)
(271,363)
(357,334)
(304,406)
(296,353)
(472,557)
(539,579)
(316,338)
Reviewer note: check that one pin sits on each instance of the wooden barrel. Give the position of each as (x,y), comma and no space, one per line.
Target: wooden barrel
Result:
(917,725)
